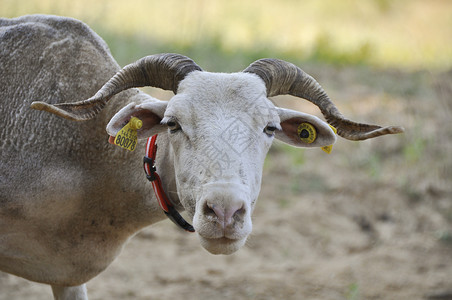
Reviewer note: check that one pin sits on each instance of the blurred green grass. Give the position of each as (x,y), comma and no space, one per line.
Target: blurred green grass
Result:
(228,35)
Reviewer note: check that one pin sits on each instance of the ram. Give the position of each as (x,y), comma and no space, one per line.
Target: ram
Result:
(69,200)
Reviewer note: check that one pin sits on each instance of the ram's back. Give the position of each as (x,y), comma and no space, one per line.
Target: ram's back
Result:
(55,174)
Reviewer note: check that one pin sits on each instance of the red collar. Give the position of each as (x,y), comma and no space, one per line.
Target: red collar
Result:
(154,178)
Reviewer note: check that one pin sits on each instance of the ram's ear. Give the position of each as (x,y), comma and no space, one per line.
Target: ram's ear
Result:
(303,130)
(150,113)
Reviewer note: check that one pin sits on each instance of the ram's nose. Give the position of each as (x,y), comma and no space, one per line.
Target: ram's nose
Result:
(226,213)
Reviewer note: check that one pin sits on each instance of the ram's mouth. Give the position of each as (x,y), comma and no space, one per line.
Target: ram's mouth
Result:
(222,245)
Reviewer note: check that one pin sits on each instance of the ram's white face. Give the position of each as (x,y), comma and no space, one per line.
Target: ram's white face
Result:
(220,127)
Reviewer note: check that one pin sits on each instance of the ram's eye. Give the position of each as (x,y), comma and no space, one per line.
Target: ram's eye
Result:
(173,125)
(270,129)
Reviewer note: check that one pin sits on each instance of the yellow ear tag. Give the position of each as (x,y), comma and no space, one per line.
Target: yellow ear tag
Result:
(127,136)
(307,133)
(329,148)
(333,128)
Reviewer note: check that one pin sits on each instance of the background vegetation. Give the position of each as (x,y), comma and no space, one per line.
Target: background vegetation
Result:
(227,35)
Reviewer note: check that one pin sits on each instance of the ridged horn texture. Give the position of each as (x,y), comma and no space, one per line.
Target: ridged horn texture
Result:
(282,78)
(164,71)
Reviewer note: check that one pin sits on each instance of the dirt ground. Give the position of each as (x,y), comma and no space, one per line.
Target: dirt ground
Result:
(372,220)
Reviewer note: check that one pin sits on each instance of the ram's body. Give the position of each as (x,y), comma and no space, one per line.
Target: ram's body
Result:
(69,200)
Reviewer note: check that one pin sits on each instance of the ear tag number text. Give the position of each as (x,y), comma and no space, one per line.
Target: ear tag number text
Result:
(127,136)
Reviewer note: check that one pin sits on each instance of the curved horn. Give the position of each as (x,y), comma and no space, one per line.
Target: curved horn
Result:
(164,71)
(282,77)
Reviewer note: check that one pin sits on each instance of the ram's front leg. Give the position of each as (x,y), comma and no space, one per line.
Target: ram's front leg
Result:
(70,292)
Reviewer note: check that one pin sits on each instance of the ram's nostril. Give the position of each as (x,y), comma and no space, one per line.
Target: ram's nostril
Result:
(216,210)
(234,213)
(208,210)
(239,214)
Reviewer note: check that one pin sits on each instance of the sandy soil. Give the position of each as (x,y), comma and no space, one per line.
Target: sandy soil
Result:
(372,220)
